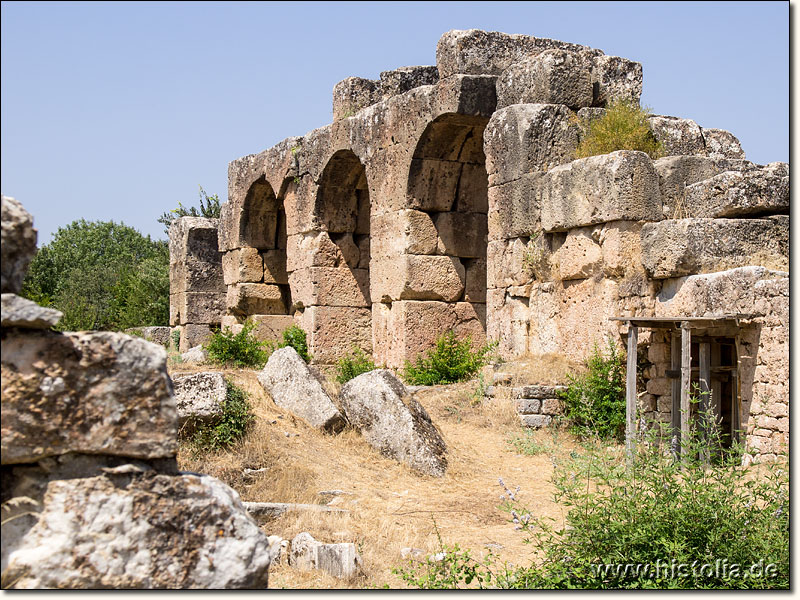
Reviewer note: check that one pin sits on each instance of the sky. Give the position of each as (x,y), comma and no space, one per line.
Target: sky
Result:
(118,111)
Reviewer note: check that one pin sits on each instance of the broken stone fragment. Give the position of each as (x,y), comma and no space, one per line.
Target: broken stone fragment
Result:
(155,531)
(353,94)
(550,77)
(722,144)
(738,194)
(339,560)
(678,136)
(295,388)
(17,246)
(26,314)
(199,396)
(404,79)
(393,422)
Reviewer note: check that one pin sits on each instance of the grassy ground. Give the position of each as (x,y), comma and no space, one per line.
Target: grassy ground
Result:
(390,506)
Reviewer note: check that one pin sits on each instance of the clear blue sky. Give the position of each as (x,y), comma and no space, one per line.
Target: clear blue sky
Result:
(119,110)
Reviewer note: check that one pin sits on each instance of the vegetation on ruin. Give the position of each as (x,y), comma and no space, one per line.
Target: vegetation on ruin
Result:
(623,126)
(209,208)
(295,337)
(449,361)
(594,402)
(232,425)
(101,275)
(238,349)
(353,365)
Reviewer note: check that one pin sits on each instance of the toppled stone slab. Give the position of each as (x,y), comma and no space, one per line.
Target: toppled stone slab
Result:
(393,422)
(199,396)
(21,312)
(263,511)
(678,136)
(294,387)
(339,560)
(738,194)
(679,247)
(17,245)
(156,531)
(722,144)
(620,186)
(90,392)
(550,77)
(197,354)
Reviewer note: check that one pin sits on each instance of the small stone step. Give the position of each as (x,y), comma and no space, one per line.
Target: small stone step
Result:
(535,421)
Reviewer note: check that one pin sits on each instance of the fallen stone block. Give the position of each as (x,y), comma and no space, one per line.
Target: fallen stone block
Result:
(678,136)
(21,312)
(722,144)
(535,421)
(149,531)
(89,392)
(679,247)
(295,388)
(195,355)
(17,245)
(550,77)
(394,423)
(339,560)
(620,186)
(199,397)
(738,194)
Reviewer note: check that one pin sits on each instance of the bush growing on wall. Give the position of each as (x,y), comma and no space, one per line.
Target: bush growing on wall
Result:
(449,361)
(353,365)
(238,349)
(623,126)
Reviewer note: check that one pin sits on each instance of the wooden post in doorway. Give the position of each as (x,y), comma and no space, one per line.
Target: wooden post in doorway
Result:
(630,391)
(686,382)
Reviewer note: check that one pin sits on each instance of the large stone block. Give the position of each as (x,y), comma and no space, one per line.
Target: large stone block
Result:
(199,307)
(616,78)
(379,406)
(242,265)
(433,184)
(199,397)
(296,388)
(23,313)
(328,286)
(401,80)
(255,299)
(677,172)
(477,52)
(271,327)
(678,136)
(403,232)
(739,194)
(193,335)
(138,532)
(722,144)
(514,208)
(550,77)
(509,322)
(475,286)
(528,138)
(679,247)
(621,242)
(18,244)
(461,234)
(473,186)
(312,250)
(417,277)
(92,393)
(509,263)
(580,256)
(334,330)
(620,186)
(353,94)
(275,267)
(195,260)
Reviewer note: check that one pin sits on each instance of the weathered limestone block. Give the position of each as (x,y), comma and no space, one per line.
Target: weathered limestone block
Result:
(315,249)
(242,265)
(399,81)
(271,327)
(620,186)
(295,388)
(199,396)
(477,52)
(470,322)
(510,321)
(550,77)
(340,560)
(535,421)
(514,208)
(722,144)
(680,247)
(347,247)
(255,299)
(328,286)
(528,138)
(475,286)
(195,260)
(403,232)
(508,263)
(543,319)
(21,312)
(678,136)
(334,330)
(461,234)
(528,406)
(417,277)
(540,392)
(393,422)
(738,194)
(194,334)
(198,307)
(196,354)
(580,256)
(147,531)
(275,267)
(621,242)
(353,94)
(616,78)
(93,393)
(17,245)
(433,184)
(473,189)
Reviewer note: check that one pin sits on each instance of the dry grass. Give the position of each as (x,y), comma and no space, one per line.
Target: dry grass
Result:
(391,506)
(548,369)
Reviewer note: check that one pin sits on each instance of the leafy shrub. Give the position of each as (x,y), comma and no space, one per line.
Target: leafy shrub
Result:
(449,361)
(594,402)
(353,365)
(239,350)
(624,126)
(210,207)
(176,338)
(231,426)
(101,275)
(295,337)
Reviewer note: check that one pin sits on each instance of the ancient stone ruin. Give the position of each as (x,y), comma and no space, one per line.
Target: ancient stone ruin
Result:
(448,197)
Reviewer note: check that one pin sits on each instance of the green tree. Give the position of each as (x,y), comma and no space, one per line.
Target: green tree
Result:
(101,275)
(209,208)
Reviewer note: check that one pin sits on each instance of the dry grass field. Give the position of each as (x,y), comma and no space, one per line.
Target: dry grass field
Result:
(390,506)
